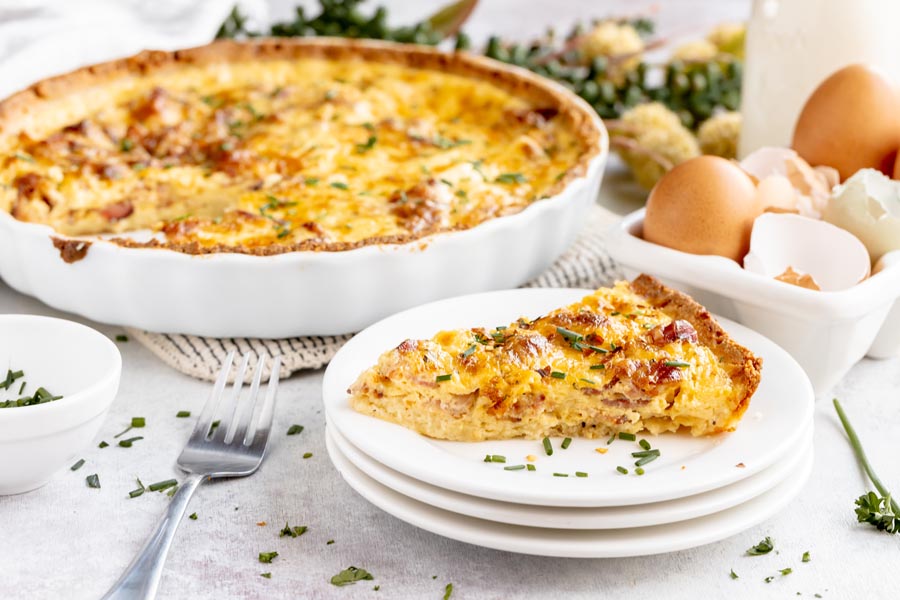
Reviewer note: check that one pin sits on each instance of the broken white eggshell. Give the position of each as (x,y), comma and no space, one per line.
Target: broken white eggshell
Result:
(833,257)
(812,186)
(868,206)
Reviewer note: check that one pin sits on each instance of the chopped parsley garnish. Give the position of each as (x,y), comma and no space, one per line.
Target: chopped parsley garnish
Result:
(183,414)
(445,377)
(510,178)
(128,443)
(351,575)
(80,464)
(295,429)
(267,557)
(733,574)
(307,455)
(193,516)
(514,468)
(557,374)
(628,437)
(566,442)
(677,363)
(121,338)
(368,145)
(160,486)
(295,531)
(548,447)
(764,547)
(339,185)
(93,481)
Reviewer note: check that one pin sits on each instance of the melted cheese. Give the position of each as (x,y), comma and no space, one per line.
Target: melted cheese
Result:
(277,152)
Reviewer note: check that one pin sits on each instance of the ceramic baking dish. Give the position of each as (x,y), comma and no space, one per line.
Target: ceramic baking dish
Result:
(826,332)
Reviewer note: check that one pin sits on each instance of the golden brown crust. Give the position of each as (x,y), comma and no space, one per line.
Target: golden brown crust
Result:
(26,105)
(743,367)
(71,251)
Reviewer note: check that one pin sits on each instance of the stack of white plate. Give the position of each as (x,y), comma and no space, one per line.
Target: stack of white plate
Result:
(575,502)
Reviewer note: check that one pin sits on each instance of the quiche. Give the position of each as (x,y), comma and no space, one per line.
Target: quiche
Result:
(634,357)
(271,146)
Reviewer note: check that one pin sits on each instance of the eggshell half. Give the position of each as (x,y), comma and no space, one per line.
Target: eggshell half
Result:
(868,206)
(705,205)
(833,257)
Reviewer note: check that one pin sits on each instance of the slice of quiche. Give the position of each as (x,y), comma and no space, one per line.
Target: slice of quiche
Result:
(635,357)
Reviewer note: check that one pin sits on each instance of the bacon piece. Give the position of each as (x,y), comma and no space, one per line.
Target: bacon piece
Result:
(117,211)
(635,382)
(28,185)
(675,331)
(582,318)
(159,105)
(536,117)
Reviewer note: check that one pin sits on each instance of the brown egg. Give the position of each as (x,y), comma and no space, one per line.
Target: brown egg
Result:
(705,205)
(850,122)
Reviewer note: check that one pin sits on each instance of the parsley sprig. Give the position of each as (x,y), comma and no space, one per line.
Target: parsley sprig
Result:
(879,511)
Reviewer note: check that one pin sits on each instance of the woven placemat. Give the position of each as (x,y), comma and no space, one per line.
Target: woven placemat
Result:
(585,265)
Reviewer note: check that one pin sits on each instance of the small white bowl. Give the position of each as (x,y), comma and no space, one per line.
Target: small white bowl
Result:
(67,359)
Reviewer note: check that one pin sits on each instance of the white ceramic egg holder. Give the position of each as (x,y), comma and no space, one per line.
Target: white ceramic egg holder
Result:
(826,332)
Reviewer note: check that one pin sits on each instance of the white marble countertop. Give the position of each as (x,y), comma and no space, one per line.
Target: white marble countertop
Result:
(66,540)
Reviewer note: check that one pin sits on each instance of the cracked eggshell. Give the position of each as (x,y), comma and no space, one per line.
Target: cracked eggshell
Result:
(834,258)
(777,168)
(868,206)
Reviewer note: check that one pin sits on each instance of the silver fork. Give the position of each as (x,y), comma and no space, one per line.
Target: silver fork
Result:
(232,449)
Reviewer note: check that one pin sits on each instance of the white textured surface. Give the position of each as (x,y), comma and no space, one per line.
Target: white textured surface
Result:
(68,541)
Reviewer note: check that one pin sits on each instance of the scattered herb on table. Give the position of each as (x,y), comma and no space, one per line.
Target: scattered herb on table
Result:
(295,531)
(786,571)
(121,338)
(514,468)
(764,547)
(769,579)
(806,557)
(307,455)
(266,575)
(628,437)
(295,429)
(128,443)
(566,442)
(548,447)
(135,422)
(497,458)
(560,474)
(183,414)
(102,444)
(448,591)
(639,471)
(622,470)
(160,486)
(880,511)
(267,557)
(329,542)
(77,465)
(351,575)
(531,467)
(580,474)
(212,428)
(644,444)
(93,481)
(733,574)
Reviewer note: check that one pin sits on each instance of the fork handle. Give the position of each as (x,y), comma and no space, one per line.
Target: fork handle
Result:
(141,578)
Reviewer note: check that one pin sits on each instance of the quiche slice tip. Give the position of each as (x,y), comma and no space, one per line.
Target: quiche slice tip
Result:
(634,357)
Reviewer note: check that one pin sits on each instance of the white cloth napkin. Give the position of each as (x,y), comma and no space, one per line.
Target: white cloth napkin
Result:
(40,38)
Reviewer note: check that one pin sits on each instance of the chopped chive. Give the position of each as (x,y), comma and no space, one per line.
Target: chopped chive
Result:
(611,439)
(295,429)
(339,185)
(548,447)
(267,575)
(560,474)
(138,421)
(102,444)
(597,367)
(676,363)
(487,458)
(127,443)
(566,442)
(639,471)
(622,470)
(570,335)
(307,455)
(183,414)
(162,485)
(580,474)
(93,481)
(121,338)
(295,531)
(806,557)
(22,387)
(531,467)
(514,468)
(644,444)
(769,579)
(444,377)
(510,178)
(615,313)
(311,181)
(498,458)
(628,437)
(786,571)
(733,574)
(136,492)
(468,352)
(80,464)
(647,459)
(557,375)
(213,427)
(643,453)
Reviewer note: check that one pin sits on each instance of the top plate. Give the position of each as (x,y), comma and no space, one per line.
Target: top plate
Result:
(779,413)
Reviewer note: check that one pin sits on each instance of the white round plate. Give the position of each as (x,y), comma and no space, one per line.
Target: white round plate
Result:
(614,517)
(574,543)
(779,414)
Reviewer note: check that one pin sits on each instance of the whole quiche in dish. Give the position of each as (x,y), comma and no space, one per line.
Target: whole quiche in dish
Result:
(634,357)
(272,146)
